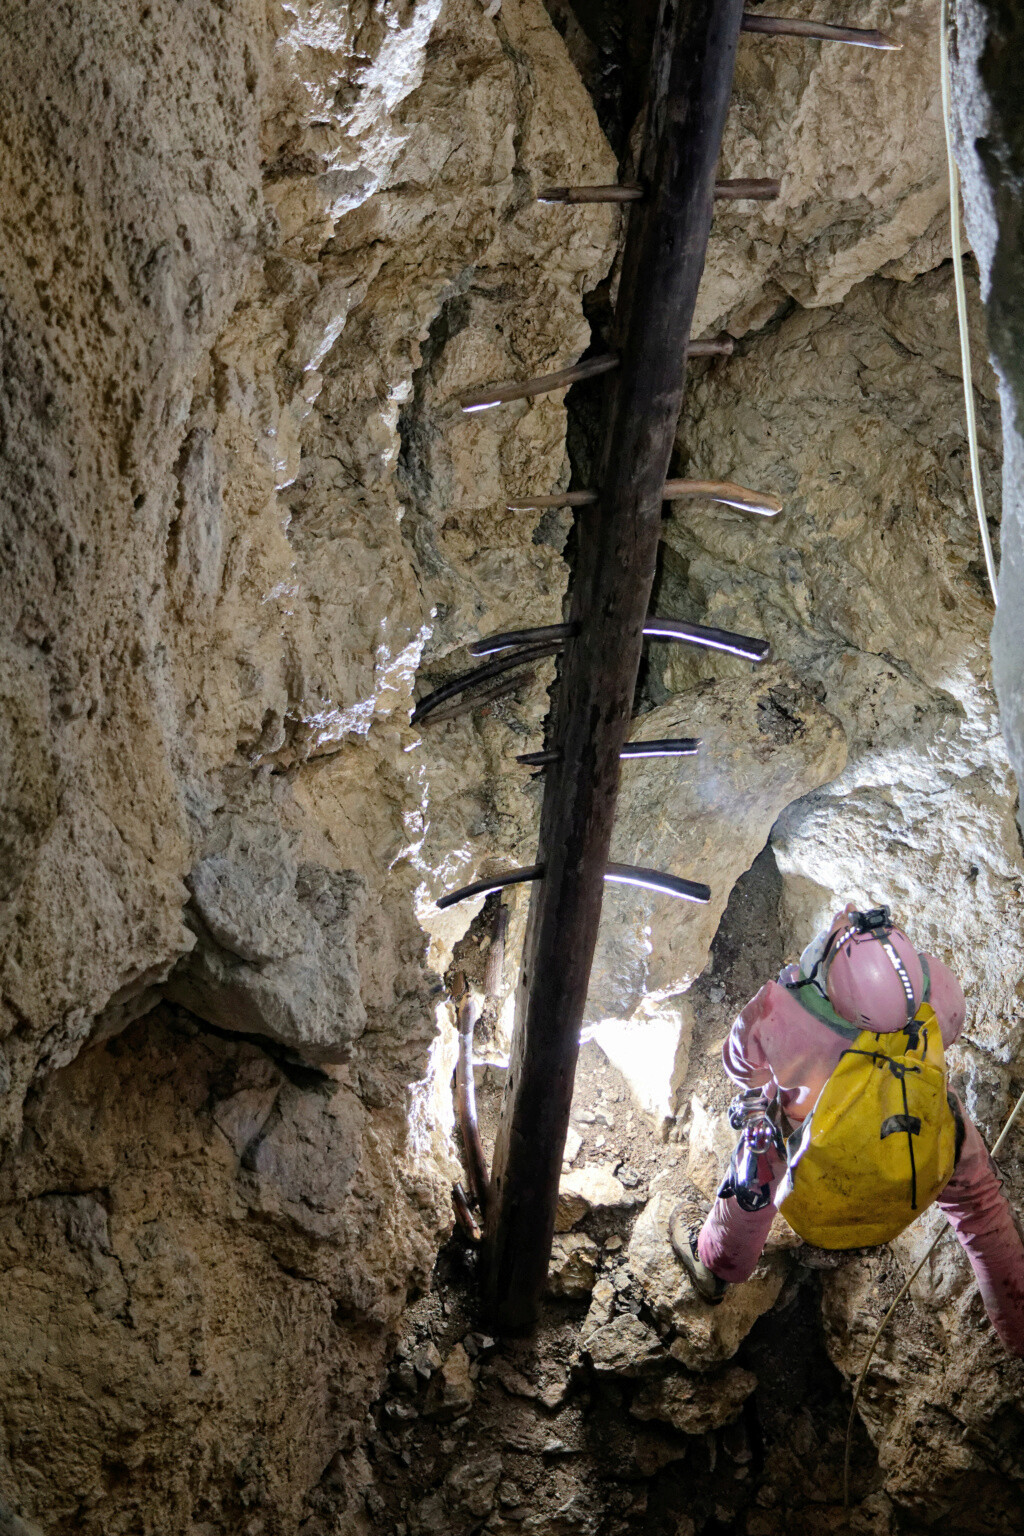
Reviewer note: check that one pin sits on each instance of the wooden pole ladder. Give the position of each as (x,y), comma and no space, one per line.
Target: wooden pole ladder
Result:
(692,61)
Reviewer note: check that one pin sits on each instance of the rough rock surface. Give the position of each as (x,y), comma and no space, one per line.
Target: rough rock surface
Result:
(856,140)
(766,741)
(703,1336)
(987,118)
(187,1217)
(248,256)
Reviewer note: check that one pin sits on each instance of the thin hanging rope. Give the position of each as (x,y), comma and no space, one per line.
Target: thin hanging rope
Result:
(904,1288)
(961,300)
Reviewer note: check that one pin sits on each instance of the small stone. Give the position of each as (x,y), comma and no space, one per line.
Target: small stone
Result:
(404,1377)
(602,1307)
(471,1485)
(628,1176)
(395,1410)
(624,1347)
(600,1141)
(451,1390)
(586,1117)
(585,1188)
(613,1243)
(573,1142)
(696,1404)
(426,1361)
(573,1267)
(554,1394)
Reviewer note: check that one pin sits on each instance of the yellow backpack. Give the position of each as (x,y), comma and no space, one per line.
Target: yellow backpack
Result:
(880,1142)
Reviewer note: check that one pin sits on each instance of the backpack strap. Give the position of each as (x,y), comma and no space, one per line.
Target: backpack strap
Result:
(808,996)
(927,979)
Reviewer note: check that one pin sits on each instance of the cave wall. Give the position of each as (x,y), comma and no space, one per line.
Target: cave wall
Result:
(990,152)
(249,256)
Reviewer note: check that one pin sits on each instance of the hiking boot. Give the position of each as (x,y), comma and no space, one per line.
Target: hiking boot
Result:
(707,1285)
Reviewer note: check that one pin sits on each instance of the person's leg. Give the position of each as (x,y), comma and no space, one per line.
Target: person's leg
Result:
(731,1239)
(981,1217)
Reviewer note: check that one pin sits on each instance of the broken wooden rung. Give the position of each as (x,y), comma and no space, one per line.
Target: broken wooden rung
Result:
(821,31)
(744,646)
(747,188)
(617,874)
(725,492)
(481,675)
(668,746)
(463,1214)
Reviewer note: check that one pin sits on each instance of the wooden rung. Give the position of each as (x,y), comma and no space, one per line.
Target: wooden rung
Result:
(564,499)
(757,190)
(505,640)
(465,1090)
(495,883)
(744,646)
(822,31)
(750,190)
(654,880)
(488,395)
(624,192)
(668,746)
(617,874)
(725,492)
(481,675)
(482,697)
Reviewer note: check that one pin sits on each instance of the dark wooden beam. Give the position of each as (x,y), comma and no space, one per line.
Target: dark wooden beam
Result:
(691,78)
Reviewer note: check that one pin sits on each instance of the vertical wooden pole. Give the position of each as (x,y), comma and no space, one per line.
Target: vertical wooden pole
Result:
(691,80)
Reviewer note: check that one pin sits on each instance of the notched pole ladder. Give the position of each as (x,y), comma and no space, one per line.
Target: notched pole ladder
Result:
(692,64)
(692,61)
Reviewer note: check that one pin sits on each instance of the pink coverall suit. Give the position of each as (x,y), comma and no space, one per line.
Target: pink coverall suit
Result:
(778,1045)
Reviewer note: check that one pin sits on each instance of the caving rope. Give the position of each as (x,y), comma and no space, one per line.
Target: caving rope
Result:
(961,300)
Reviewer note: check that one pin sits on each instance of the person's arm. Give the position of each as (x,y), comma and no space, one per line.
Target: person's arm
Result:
(742,1054)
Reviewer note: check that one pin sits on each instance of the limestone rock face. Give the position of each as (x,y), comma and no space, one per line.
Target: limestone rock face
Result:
(249,256)
(695,1404)
(275,950)
(217,1222)
(987,115)
(856,140)
(766,742)
(703,1336)
(869,587)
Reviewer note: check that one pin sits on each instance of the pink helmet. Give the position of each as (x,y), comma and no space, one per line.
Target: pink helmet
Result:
(874,976)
